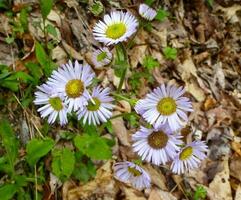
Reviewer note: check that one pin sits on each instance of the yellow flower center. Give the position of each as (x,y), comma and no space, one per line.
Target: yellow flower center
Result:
(74,88)
(101,56)
(134,171)
(167,106)
(93,106)
(186,153)
(115,31)
(56,103)
(157,140)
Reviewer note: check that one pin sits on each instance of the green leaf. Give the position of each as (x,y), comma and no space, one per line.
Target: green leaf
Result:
(97,8)
(149,2)
(35,70)
(200,193)
(24,19)
(10,84)
(21,181)
(7,191)
(170,53)
(51,29)
(93,146)
(210,3)
(10,143)
(150,63)
(161,15)
(9,40)
(90,129)
(84,171)
(23,76)
(108,126)
(5,4)
(47,65)
(63,163)
(4,165)
(46,6)
(37,148)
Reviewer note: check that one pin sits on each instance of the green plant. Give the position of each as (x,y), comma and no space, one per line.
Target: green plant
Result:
(200,193)
(170,53)
(161,15)
(96,8)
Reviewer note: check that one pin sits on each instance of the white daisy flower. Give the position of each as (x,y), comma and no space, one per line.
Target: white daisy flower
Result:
(165,104)
(99,107)
(147,12)
(129,172)
(116,27)
(157,146)
(71,81)
(189,157)
(53,106)
(101,57)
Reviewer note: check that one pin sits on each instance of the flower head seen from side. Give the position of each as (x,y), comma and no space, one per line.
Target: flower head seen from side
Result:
(147,12)
(116,27)
(165,104)
(189,157)
(101,57)
(129,172)
(157,146)
(71,81)
(53,106)
(99,107)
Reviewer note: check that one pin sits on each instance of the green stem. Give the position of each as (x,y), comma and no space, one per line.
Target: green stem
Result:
(122,80)
(123,115)
(131,101)
(122,59)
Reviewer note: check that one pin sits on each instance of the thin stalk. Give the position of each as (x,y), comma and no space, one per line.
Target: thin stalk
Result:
(122,79)
(36,182)
(122,58)
(132,102)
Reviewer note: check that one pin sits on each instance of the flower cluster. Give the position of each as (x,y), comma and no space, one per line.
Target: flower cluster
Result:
(68,90)
(166,110)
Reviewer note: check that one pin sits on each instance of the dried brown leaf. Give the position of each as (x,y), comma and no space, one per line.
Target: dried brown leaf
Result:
(220,184)
(120,130)
(157,177)
(157,194)
(102,186)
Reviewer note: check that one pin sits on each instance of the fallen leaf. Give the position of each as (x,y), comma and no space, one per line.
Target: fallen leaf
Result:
(132,194)
(126,107)
(235,167)
(193,88)
(157,194)
(102,186)
(220,184)
(209,103)
(71,51)
(157,177)
(230,12)
(120,130)
(59,55)
(238,193)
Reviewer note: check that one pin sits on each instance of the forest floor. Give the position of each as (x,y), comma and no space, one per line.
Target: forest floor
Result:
(205,42)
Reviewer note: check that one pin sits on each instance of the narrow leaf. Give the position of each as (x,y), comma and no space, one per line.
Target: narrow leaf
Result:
(10,143)
(46,6)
